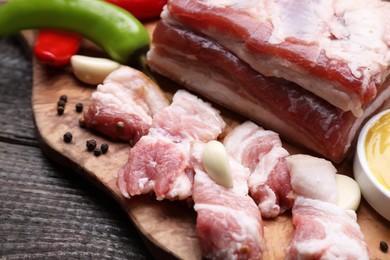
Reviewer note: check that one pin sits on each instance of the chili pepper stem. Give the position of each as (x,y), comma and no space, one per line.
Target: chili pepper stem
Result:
(141,64)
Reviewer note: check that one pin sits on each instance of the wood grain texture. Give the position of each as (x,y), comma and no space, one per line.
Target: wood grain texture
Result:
(46,210)
(15,93)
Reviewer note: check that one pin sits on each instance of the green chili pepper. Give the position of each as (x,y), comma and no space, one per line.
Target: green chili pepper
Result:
(114,29)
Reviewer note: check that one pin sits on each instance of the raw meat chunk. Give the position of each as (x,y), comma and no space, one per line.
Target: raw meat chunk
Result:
(123,106)
(161,162)
(339,50)
(262,153)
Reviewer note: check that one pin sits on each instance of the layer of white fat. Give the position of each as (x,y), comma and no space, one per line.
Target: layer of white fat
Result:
(255,8)
(179,190)
(338,241)
(145,185)
(267,163)
(114,95)
(357,32)
(134,85)
(246,135)
(239,132)
(131,91)
(203,111)
(237,141)
(187,106)
(268,205)
(308,173)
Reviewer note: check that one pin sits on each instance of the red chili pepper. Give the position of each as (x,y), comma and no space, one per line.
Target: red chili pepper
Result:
(141,9)
(56,47)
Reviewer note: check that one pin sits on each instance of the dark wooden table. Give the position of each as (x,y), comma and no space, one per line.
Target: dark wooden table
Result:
(47,211)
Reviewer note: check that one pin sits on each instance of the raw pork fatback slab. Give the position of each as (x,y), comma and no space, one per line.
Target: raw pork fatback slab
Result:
(339,49)
(296,114)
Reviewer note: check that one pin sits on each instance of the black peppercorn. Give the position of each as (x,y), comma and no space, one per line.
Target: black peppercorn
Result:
(61,103)
(383,246)
(104,148)
(91,145)
(97,152)
(68,137)
(60,110)
(64,98)
(79,107)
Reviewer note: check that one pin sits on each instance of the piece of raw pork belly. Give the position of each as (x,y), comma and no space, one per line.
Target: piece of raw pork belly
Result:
(204,64)
(322,229)
(337,49)
(123,106)
(262,153)
(228,223)
(160,162)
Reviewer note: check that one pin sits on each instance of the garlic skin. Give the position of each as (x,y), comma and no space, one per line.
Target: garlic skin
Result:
(216,163)
(348,192)
(92,70)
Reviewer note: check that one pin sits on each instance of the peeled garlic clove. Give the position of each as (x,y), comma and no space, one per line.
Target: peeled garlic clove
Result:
(348,192)
(92,70)
(216,163)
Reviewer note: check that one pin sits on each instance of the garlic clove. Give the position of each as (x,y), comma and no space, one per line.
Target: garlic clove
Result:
(348,192)
(216,163)
(92,70)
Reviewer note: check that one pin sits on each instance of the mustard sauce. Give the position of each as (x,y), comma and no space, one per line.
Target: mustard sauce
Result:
(377,146)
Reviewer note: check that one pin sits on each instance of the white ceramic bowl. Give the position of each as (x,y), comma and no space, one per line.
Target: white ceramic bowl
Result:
(375,194)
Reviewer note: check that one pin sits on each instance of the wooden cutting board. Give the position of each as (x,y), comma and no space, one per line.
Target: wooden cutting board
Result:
(168,228)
